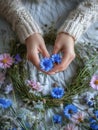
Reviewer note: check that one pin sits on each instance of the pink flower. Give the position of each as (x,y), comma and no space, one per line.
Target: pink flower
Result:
(35,85)
(94,82)
(5,61)
(71,127)
(79,117)
(2,78)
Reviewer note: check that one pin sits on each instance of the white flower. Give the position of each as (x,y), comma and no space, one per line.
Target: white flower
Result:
(8,88)
(70,127)
(78,117)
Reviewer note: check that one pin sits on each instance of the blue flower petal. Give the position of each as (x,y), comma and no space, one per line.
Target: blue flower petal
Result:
(57,92)
(57,118)
(5,103)
(96,114)
(94,126)
(56,58)
(92,120)
(69,110)
(90,103)
(46,64)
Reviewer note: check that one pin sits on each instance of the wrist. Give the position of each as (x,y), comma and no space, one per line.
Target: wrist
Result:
(68,36)
(32,37)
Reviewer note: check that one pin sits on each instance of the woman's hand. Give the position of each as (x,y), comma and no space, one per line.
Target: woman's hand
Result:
(35,45)
(65,44)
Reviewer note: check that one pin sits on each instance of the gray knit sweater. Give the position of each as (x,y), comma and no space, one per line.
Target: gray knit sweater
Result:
(23,23)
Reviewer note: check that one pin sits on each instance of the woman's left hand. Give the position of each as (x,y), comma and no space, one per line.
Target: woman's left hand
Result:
(65,44)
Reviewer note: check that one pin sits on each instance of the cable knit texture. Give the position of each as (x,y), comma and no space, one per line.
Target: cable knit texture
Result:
(21,20)
(23,23)
(80,19)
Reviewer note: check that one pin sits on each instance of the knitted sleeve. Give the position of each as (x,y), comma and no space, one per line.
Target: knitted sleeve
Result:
(20,19)
(80,19)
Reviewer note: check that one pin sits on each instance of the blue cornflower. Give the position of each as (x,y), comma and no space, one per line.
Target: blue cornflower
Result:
(57,92)
(93,123)
(57,118)
(94,126)
(90,103)
(96,114)
(46,64)
(5,103)
(56,58)
(69,110)
(17,59)
(92,120)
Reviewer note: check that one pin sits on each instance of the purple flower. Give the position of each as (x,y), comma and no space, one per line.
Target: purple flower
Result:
(5,103)
(56,58)
(57,119)
(17,59)
(69,110)
(46,64)
(5,61)
(94,82)
(57,92)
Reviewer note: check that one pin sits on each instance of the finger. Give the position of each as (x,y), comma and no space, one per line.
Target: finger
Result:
(56,49)
(34,58)
(44,51)
(58,68)
(64,64)
(52,73)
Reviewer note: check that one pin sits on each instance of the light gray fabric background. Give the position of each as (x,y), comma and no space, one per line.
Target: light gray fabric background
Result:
(44,13)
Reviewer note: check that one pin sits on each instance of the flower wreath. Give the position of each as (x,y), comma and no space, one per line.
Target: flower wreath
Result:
(13,65)
(15,62)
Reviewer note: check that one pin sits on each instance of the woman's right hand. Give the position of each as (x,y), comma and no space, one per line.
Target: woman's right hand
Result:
(35,45)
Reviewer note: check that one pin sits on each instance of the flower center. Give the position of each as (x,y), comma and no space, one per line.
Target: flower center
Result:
(96,82)
(4,61)
(70,111)
(80,119)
